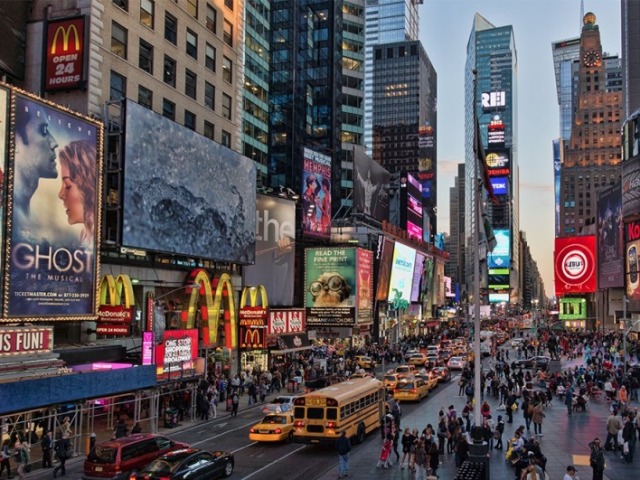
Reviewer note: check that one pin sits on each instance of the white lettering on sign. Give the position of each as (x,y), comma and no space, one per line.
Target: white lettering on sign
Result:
(493,99)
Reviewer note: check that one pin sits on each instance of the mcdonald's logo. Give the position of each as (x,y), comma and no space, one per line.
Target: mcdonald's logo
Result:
(252,294)
(66,34)
(114,291)
(253,338)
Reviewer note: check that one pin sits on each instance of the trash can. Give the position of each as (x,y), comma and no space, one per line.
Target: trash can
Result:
(171,418)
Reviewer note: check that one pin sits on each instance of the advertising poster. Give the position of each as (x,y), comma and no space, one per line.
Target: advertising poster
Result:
(370,183)
(501,255)
(632,247)
(575,265)
(65,51)
(275,249)
(316,194)
(404,258)
(364,299)
(176,353)
(283,321)
(418,275)
(184,193)
(4,131)
(497,162)
(631,187)
(385,259)
(330,286)
(610,239)
(500,185)
(55,209)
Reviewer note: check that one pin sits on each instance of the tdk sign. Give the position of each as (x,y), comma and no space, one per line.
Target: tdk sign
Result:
(493,100)
(499,185)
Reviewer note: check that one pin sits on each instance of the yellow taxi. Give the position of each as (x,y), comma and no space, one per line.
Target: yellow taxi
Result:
(274,427)
(365,362)
(405,370)
(417,359)
(430,380)
(410,390)
(391,380)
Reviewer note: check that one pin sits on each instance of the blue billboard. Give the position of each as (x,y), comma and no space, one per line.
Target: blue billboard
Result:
(501,255)
(500,185)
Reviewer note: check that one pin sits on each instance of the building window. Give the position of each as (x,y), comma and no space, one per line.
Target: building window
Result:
(117,87)
(189,120)
(225,138)
(145,57)
(192,8)
(118,40)
(209,129)
(229,4)
(147,8)
(123,4)
(227,70)
(209,96)
(169,75)
(210,57)
(145,97)
(226,106)
(227,34)
(168,109)
(192,44)
(190,84)
(171,28)
(212,19)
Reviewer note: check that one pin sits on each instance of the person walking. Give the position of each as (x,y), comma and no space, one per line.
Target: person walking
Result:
(46,445)
(421,461)
(23,458)
(568,399)
(63,452)
(235,401)
(596,459)
(434,458)
(498,433)
(407,441)
(343,446)
(614,425)
(537,417)
(5,459)
(629,439)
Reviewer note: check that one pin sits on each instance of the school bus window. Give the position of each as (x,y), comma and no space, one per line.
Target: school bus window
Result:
(315,413)
(298,412)
(332,413)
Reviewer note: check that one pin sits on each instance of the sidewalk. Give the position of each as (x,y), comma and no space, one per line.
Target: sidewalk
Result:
(564,442)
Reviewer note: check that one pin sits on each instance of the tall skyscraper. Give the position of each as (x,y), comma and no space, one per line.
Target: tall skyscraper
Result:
(491,52)
(630,13)
(454,268)
(592,155)
(386,21)
(565,64)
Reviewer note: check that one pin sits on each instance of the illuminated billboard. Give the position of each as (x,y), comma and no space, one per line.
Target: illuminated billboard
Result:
(316,194)
(632,265)
(493,100)
(65,51)
(418,276)
(495,133)
(575,264)
(501,255)
(631,187)
(572,308)
(385,259)
(370,195)
(498,298)
(275,249)
(500,185)
(185,194)
(54,208)
(497,160)
(402,272)
(411,206)
(330,286)
(610,239)
(364,293)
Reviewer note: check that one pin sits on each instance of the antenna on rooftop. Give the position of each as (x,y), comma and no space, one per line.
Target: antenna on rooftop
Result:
(581,15)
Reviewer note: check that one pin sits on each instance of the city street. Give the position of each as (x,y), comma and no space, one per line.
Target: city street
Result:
(564,442)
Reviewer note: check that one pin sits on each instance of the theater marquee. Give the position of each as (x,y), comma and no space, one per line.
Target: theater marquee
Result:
(65,49)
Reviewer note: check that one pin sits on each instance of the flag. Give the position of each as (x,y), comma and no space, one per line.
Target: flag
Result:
(482,163)
(487,229)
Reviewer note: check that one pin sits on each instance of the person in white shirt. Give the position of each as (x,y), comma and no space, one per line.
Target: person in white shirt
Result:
(571,474)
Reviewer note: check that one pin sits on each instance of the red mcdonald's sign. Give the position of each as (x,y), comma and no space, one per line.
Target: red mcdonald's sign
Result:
(64,54)
(252,338)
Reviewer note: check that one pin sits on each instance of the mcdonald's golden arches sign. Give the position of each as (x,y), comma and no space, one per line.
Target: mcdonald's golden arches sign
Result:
(65,51)
(253,318)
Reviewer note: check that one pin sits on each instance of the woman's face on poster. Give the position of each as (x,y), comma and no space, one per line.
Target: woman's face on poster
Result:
(71,197)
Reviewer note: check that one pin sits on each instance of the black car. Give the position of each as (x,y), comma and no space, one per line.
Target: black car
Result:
(188,463)
(540,361)
(443,374)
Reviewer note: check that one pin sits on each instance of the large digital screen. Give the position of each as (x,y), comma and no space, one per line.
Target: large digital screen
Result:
(418,276)
(610,239)
(631,187)
(385,259)
(632,266)
(498,298)
(500,185)
(275,249)
(501,255)
(316,194)
(54,205)
(575,264)
(411,205)
(402,272)
(370,183)
(185,194)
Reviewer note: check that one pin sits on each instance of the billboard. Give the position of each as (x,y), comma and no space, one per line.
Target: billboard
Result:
(631,187)
(633,273)
(385,259)
(404,258)
(495,133)
(54,209)
(370,195)
(610,239)
(286,321)
(176,353)
(501,255)
(330,286)
(493,100)
(364,294)
(275,249)
(575,264)
(411,206)
(13,24)
(184,193)
(316,196)
(448,291)
(498,298)
(65,52)
(498,162)
(500,185)
(418,276)
(573,308)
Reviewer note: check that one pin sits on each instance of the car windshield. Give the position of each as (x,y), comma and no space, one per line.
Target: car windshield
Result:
(405,386)
(390,378)
(274,419)
(163,466)
(103,454)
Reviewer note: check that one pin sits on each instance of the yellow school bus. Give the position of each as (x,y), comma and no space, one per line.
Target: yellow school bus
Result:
(355,406)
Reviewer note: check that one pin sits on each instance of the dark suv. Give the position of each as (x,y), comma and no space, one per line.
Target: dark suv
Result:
(115,459)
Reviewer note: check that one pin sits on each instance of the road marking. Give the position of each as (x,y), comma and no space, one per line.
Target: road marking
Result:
(274,462)
(223,433)
(242,448)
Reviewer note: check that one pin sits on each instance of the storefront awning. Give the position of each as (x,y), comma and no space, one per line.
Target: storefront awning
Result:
(292,343)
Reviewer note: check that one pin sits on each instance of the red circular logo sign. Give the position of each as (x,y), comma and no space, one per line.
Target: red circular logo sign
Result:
(575,264)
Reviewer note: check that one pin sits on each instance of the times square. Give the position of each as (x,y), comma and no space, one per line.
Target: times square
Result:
(197,283)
